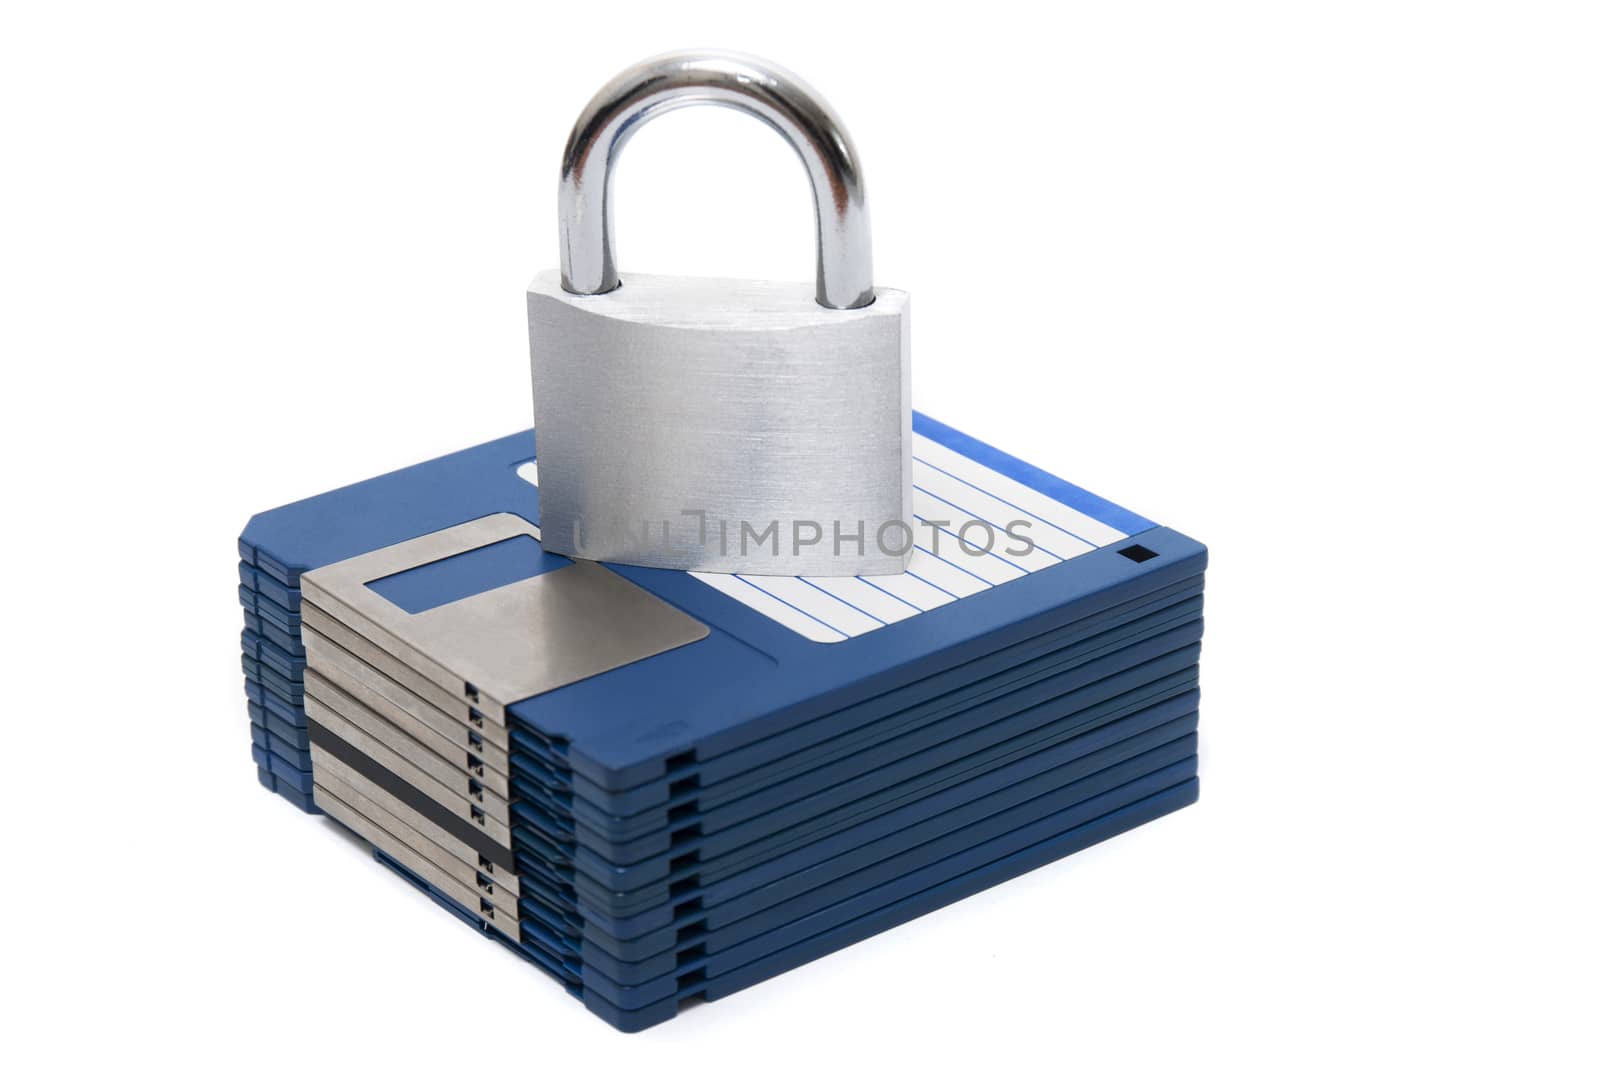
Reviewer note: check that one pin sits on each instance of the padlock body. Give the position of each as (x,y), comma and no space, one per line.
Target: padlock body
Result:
(722,425)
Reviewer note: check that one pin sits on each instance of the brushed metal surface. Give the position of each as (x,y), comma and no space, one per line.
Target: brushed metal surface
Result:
(742,402)
(481,716)
(509,643)
(746,83)
(405,709)
(492,819)
(449,768)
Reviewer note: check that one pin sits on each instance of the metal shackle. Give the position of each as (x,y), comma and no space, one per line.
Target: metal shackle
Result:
(728,79)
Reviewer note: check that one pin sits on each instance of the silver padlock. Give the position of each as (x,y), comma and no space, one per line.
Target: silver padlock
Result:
(718,425)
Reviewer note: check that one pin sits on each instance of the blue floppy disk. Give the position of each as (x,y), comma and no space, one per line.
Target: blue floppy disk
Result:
(778,652)
(833,927)
(688,782)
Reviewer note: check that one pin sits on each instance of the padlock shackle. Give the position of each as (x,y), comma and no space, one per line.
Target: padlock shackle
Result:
(728,79)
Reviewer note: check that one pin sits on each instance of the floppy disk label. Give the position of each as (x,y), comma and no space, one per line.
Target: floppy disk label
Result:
(982,519)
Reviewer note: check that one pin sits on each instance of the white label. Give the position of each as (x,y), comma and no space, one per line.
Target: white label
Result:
(948,488)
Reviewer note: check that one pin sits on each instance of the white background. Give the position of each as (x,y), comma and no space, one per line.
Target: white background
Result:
(1314,283)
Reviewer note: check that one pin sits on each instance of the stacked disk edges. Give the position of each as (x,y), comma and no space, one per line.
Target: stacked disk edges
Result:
(274,671)
(661,787)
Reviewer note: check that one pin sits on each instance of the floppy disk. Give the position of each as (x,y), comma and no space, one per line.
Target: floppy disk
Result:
(661,785)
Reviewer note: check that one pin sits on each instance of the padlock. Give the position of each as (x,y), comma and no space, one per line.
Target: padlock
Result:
(716,425)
